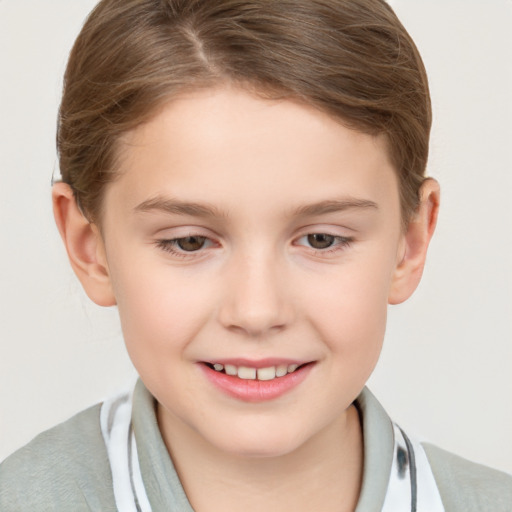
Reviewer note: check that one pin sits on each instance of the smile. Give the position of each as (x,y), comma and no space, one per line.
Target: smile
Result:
(250,373)
(257,382)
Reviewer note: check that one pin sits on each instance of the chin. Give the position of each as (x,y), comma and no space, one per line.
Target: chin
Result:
(260,443)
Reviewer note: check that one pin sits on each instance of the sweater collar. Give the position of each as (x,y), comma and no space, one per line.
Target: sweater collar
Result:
(164,488)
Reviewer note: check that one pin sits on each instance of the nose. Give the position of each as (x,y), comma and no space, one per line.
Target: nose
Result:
(256,302)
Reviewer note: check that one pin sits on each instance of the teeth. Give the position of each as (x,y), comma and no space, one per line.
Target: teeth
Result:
(281,370)
(247,373)
(267,373)
(230,369)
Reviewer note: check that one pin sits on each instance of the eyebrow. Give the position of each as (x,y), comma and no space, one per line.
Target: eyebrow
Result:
(176,207)
(333,206)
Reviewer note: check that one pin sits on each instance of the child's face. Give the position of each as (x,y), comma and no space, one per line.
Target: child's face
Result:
(254,233)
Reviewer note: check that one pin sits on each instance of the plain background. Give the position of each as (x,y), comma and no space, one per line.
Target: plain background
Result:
(446,369)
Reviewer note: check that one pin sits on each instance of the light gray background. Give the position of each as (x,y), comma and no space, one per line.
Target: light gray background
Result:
(446,369)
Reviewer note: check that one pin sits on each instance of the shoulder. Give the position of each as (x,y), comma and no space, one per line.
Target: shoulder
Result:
(466,486)
(64,468)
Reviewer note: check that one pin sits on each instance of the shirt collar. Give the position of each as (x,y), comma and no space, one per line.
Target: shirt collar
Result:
(164,488)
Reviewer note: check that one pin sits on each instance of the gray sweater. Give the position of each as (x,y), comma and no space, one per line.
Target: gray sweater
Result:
(67,469)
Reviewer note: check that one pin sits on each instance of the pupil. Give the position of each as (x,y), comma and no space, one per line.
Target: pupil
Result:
(191,243)
(320,240)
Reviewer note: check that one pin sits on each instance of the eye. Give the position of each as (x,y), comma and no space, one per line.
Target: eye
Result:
(320,240)
(324,242)
(191,243)
(183,245)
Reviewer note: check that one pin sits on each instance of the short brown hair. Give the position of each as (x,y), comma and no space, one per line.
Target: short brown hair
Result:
(352,59)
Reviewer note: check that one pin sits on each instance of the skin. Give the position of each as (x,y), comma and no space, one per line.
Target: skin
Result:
(257,288)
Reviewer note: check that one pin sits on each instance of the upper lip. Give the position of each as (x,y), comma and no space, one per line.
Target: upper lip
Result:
(256,363)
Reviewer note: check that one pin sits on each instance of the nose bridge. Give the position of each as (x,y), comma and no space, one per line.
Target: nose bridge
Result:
(255,299)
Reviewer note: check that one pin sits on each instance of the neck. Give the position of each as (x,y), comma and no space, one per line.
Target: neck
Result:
(324,473)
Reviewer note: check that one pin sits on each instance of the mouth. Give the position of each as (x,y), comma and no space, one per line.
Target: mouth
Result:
(256,381)
(252,373)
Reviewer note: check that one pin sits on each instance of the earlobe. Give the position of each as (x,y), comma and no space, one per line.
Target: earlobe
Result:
(416,240)
(84,246)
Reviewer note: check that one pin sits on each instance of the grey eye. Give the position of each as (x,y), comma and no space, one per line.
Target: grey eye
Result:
(321,240)
(191,243)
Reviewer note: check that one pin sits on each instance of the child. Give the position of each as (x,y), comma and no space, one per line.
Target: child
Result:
(245,181)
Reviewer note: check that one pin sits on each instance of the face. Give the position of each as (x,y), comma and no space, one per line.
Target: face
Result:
(251,247)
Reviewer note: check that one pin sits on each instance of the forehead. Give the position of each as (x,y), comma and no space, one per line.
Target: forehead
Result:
(234,149)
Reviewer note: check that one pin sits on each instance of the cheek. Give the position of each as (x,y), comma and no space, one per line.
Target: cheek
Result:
(351,310)
(160,310)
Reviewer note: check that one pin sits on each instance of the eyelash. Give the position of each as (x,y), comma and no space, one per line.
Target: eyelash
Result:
(171,246)
(340,243)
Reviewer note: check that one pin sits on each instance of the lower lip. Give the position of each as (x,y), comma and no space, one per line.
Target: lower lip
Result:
(256,390)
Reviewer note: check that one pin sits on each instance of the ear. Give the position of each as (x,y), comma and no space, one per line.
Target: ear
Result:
(415,243)
(84,246)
